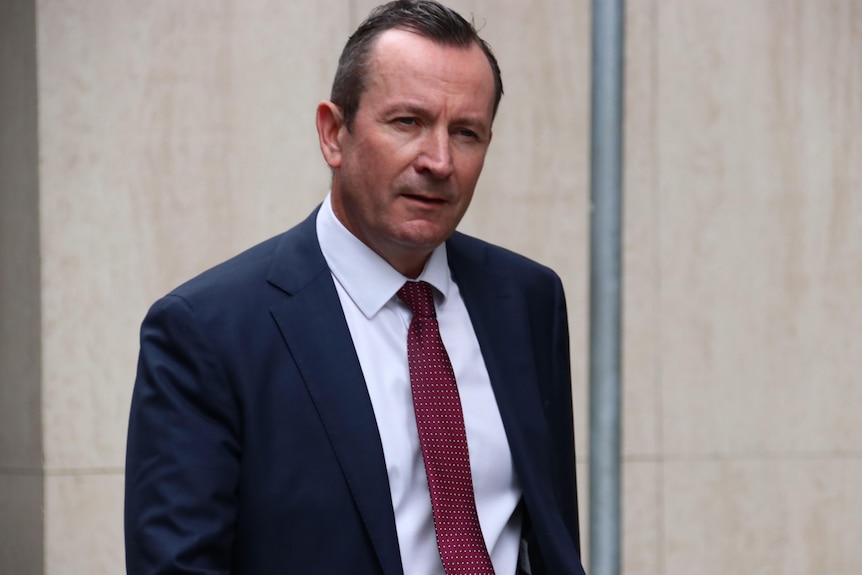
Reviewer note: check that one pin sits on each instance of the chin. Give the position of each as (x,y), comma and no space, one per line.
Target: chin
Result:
(422,233)
(425,240)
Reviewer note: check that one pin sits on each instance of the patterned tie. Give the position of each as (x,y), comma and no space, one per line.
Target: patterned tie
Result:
(442,438)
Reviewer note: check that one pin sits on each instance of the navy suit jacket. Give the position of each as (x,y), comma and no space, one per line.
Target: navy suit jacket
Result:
(253,447)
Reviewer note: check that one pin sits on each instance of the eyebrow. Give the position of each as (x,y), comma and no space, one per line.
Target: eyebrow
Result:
(409,109)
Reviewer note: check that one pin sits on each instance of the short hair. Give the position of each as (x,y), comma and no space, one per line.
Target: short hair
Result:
(426,18)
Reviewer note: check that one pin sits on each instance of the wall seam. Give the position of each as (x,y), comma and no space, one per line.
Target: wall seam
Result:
(655,186)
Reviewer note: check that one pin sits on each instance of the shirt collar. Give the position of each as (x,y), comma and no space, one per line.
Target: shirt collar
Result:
(367,278)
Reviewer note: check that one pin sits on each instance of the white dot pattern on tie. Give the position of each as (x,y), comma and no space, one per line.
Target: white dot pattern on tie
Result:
(443,439)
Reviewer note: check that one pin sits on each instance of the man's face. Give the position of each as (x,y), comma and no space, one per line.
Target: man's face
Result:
(405,172)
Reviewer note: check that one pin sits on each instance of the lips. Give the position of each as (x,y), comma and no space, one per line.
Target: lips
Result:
(425,199)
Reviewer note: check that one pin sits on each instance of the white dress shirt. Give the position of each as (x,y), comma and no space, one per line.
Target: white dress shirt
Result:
(378,322)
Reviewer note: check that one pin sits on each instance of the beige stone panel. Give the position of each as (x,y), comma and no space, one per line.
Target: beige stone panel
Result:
(21,528)
(773,517)
(758,137)
(642,517)
(643,531)
(84,524)
(173,135)
(641,397)
(20,323)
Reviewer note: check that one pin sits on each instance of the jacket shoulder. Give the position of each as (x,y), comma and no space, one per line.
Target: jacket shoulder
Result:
(283,261)
(463,249)
(232,275)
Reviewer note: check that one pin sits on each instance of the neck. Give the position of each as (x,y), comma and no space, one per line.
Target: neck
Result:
(409,266)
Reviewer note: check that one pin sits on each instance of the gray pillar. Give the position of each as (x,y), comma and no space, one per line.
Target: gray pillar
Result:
(606,287)
(21,474)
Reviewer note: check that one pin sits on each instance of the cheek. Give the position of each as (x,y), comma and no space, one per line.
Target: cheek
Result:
(470,176)
(470,163)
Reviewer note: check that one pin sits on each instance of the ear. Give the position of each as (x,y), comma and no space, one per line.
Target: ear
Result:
(330,121)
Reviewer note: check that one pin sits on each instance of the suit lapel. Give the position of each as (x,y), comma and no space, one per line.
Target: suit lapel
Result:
(314,329)
(501,322)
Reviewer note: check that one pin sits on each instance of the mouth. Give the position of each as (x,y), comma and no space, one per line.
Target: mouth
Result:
(425,200)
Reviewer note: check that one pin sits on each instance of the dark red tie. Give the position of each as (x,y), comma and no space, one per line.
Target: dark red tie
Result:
(442,438)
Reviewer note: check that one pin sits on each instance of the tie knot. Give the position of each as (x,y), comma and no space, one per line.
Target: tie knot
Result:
(419,298)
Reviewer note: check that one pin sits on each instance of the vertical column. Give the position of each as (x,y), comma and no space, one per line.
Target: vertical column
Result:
(21,475)
(606,287)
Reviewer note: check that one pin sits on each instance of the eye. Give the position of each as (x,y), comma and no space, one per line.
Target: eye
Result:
(406,121)
(467,134)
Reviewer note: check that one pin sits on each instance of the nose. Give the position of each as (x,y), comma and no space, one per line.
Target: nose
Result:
(435,156)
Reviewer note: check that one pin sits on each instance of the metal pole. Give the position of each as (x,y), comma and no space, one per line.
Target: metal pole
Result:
(606,287)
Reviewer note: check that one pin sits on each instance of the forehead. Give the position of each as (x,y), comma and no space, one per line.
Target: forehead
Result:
(403,61)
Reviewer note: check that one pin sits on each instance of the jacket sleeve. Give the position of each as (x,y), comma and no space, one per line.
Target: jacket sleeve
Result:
(182,458)
(563,418)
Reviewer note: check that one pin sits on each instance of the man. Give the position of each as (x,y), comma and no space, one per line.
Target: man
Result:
(295,409)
